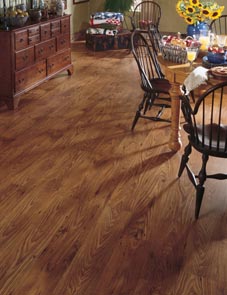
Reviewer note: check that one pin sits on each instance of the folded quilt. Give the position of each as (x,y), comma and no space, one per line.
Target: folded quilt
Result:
(109,26)
(101,31)
(114,18)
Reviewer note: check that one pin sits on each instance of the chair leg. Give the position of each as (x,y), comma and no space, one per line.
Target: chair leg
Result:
(148,103)
(184,159)
(200,187)
(199,197)
(136,118)
(138,112)
(193,96)
(160,112)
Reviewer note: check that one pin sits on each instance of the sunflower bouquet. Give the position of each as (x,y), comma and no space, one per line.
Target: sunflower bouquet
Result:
(195,11)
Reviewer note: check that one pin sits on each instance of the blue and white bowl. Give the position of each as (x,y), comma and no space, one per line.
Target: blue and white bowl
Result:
(216,58)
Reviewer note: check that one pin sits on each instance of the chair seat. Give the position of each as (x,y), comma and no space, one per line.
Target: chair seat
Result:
(160,85)
(218,142)
(163,85)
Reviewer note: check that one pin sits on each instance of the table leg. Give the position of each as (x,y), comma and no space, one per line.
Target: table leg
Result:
(175,141)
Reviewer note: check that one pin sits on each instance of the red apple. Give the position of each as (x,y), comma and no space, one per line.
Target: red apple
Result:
(220,50)
(188,42)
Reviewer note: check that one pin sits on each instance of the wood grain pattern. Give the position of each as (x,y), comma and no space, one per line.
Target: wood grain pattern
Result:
(90,208)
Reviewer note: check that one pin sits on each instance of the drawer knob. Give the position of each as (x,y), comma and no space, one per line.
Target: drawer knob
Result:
(21,80)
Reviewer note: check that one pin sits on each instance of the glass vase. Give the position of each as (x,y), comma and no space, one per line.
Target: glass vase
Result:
(197,29)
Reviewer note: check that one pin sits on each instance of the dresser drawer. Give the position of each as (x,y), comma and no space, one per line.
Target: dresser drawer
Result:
(21,39)
(33,31)
(33,39)
(63,42)
(65,25)
(55,32)
(30,76)
(45,32)
(45,49)
(24,58)
(58,61)
(55,24)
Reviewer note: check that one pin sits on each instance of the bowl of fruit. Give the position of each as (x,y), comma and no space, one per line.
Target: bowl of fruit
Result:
(18,21)
(17,17)
(173,48)
(216,54)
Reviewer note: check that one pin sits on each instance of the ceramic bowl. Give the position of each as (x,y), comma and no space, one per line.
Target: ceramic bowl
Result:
(216,58)
(18,21)
(35,14)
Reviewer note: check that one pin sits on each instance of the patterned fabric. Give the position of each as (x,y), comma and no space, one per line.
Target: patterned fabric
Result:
(105,23)
(101,31)
(114,18)
(98,42)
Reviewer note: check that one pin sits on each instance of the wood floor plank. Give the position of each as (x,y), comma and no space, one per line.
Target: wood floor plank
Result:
(90,208)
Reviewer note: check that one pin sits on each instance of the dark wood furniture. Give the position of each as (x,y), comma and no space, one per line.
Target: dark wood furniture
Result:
(106,42)
(153,83)
(145,14)
(32,54)
(219,26)
(206,126)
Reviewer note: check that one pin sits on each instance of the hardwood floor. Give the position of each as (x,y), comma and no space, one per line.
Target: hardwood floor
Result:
(90,208)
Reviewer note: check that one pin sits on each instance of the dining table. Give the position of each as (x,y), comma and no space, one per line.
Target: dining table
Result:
(176,74)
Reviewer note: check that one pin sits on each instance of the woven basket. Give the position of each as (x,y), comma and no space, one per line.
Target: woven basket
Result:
(174,53)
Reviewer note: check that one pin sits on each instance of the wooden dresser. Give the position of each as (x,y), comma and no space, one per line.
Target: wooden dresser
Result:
(32,54)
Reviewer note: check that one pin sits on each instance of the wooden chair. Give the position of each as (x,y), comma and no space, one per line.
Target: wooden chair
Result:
(206,125)
(146,17)
(153,83)
(219,26)
(155,38)
(145,14)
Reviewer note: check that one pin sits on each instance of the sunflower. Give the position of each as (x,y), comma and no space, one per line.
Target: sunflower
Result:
(221,8)
(190,9)
(182,14)
(194,2)
(205,13)
(215,14)
(189,20)
(178,5)
(195,11)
